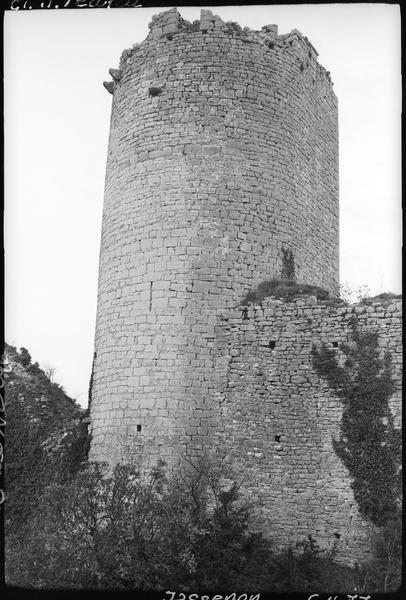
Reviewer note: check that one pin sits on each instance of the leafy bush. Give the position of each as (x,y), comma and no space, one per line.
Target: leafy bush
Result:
(310,569)
(351,294)
(29,467)
(369,444)
(26,472)
(288,270)
(116,529)
(370,447)
(24,357)
(384,572)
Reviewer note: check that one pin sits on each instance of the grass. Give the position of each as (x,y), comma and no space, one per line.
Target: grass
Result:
(287,289)
(384,298)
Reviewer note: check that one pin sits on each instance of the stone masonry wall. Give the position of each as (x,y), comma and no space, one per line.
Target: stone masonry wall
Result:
(222,158)
(277,418)
(222,172)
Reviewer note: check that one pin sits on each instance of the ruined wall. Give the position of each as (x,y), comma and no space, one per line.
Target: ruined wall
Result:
(222,172)
(223,158)
(278,418)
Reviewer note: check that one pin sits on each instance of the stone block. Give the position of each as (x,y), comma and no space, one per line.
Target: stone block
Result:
(170,28)
(206,25)
(206,15)
(157,32)
(116,74)
(271,30)
(109,85)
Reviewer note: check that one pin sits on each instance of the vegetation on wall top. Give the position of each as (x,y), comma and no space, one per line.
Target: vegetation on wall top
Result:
(287,289)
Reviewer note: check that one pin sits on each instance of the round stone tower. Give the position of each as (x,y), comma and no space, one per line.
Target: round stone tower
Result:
(222,172)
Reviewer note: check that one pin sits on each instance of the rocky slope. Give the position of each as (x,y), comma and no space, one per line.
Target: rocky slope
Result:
(46,436)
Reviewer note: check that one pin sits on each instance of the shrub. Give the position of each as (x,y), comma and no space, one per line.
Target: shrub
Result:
(116,529)
(288,270)
(26,472)
(369,445)
(383,573)
(24,357)
(29,466)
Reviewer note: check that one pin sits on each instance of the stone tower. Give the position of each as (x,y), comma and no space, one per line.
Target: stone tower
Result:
(222,172)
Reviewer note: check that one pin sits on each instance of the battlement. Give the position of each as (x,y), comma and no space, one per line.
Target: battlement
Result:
(169,23)
(166,26)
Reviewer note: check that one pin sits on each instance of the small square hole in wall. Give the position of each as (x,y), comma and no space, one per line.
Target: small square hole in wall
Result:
(154,90)
(272,344)
(277,438)
(335,344)
(139,428)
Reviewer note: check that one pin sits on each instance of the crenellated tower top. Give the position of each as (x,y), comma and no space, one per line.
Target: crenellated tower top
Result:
(165,25)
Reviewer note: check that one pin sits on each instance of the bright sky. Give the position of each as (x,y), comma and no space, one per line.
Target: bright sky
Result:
(56,132)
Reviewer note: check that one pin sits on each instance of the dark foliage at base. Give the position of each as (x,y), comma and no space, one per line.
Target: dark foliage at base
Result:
(113,529)
(33,459)
(384,572)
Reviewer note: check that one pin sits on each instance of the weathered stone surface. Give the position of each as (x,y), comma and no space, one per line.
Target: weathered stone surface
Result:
(277,405)
(207,187)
